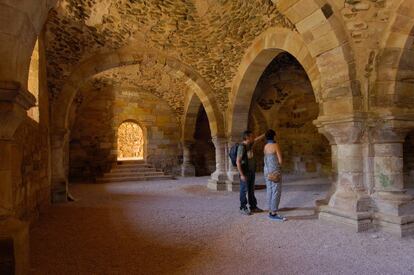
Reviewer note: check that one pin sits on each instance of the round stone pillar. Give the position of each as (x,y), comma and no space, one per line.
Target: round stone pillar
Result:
(187,168)
(233,177)
(60,153)
(348,203)
(219,177)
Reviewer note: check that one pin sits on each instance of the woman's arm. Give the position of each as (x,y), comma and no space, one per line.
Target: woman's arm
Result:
(279,153)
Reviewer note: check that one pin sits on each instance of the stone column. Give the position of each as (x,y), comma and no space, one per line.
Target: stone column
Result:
(187,168)
(233,177)
(219,177)
(14,103)
(395,208)
(349,204)
(60,153)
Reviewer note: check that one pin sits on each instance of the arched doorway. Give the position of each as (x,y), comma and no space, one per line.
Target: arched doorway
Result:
(131,141)
(284,100)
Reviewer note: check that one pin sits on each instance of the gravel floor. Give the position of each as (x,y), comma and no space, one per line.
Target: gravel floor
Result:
(179,227)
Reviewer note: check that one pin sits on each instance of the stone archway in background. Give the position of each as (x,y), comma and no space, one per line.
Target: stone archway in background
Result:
(131,141)
(100,63)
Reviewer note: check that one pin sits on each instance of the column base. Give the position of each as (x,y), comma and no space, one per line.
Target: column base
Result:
(14,241)
(359,221)
(59,192)
(232,186)
(348,208)
(395,213)
(187,170)
(216,185)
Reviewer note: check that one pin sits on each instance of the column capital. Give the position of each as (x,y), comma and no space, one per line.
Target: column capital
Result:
(218,140)
(187,143)
(390,129)
(13,93)
(343,131)
(14,103)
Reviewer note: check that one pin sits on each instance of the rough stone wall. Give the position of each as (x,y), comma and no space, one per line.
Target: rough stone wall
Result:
(33,189)
(284,101)
(203,152)
(93,143)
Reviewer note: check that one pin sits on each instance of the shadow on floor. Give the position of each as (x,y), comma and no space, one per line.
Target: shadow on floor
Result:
(106,234)
(299,213)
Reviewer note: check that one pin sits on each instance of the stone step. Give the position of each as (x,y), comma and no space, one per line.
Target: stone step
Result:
(133,170)
(136,178)
(142,174)
(132,165)
(126,162)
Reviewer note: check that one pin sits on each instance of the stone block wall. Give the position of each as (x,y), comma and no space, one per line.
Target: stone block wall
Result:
(93,142)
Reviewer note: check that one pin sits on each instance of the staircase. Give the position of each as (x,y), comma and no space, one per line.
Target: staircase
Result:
(133,170)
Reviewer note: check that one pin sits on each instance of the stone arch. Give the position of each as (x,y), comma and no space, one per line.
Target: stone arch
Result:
(25,20)
(144,138)
(103,62)
(265,48)
(395,69)
(333,93)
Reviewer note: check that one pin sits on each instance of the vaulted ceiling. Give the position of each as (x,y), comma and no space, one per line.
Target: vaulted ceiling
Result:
(211,36)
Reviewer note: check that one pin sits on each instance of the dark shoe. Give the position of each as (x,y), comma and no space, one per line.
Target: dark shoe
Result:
(256,210)
(245,211)
(276,217)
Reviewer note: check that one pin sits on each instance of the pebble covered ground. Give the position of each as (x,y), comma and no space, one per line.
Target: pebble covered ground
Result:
(180,227)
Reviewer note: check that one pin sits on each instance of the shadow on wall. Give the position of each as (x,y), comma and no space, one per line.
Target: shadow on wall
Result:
(94,132)
(408,156)
(203,150)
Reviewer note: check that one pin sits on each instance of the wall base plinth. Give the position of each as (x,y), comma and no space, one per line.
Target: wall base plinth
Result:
(216,185)
(15,235)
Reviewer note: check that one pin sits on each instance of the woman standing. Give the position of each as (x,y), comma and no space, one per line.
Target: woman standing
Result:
(272,173)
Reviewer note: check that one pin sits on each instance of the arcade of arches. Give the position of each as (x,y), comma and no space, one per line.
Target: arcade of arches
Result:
(333,78)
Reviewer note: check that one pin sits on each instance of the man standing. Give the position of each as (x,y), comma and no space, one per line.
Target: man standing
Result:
(246,164)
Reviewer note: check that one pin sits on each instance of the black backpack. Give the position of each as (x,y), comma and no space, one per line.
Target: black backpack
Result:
(233,153)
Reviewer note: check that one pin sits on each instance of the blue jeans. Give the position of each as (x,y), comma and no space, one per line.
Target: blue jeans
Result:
(247,188)
(274,190)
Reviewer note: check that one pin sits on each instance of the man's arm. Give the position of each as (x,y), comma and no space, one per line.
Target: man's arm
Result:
(239,164)
(259,137)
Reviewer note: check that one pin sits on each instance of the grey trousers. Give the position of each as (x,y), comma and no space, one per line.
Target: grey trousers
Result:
(274,191)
